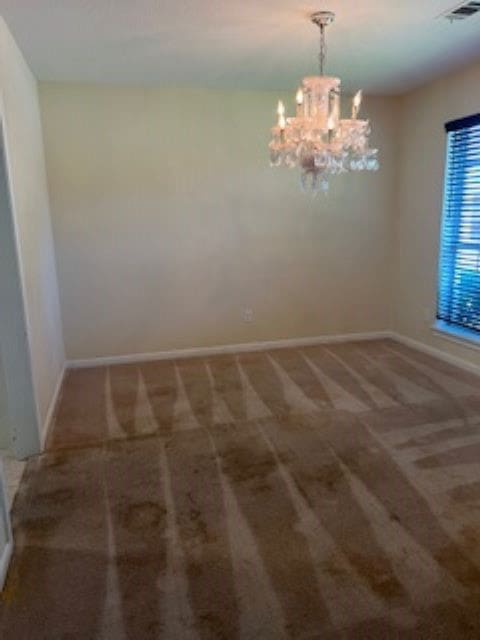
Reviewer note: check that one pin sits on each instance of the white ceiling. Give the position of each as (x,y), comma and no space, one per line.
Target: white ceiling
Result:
(382,46)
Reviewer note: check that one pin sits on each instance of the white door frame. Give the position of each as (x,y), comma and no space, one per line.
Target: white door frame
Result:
(15,333)
(6,552)
(27,442)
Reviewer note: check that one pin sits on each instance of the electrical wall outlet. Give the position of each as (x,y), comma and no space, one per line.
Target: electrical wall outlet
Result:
(247,314)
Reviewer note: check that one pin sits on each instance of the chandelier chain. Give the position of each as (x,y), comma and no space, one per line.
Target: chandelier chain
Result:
(323,49)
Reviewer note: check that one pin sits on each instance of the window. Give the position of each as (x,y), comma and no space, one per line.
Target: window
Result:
(459,273)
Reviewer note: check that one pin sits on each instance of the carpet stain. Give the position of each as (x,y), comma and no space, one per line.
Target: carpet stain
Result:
(145,515)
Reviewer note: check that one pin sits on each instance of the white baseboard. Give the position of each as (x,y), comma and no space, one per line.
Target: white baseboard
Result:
(51,408)
(225,349)
(255,346)
(436,353)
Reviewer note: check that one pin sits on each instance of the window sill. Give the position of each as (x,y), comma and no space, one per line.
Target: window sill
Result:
(465,337)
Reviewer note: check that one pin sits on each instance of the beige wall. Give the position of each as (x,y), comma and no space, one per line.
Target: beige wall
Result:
(168,220)
(420,191)
(19,110)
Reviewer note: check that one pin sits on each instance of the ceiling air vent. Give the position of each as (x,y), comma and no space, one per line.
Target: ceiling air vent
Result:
(465,10)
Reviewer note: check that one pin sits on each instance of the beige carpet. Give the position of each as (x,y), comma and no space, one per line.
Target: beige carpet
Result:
(329,492)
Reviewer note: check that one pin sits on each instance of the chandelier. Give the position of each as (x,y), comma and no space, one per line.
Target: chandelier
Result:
(317,139)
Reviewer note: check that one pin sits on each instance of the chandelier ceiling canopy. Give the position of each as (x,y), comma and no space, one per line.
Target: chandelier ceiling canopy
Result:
(317,139)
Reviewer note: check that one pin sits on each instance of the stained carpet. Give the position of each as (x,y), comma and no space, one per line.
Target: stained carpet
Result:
(328,492)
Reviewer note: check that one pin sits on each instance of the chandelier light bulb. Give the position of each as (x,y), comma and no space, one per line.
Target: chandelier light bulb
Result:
(357,101)
(317,140)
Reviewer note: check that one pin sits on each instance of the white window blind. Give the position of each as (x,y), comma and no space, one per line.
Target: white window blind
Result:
(459,270)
